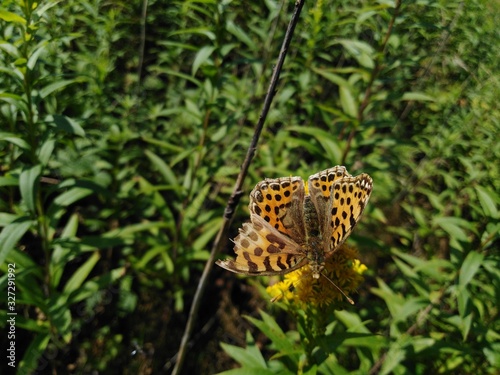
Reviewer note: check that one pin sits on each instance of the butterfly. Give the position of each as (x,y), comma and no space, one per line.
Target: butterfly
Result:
(290,227)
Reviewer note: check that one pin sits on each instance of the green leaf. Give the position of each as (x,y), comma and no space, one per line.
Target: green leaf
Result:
(72,195)
(36,53)
(332,342)
(33,353)
(45,151)
(395,355)
(66,124)
(167,261)
(36,326)
(249,357)
(492,354)
(71,227)
(347,101)
(106,240)
(410,307)
(175,73)
(11,17)
(453,226)
(210,229)
(487,200)
(392,300)
(273,331)
(330,366)
(195,206)
(464,321)
(61,254)
(361,51)
(129,230)
(14,52)
(167,146)
(26,263)
(14,139)
(76,190)
(163,252)
(15,100)
(313,370)
(411,259)
(59,314)
(93,286)
(194,30)
(352,321)
(201,57)
(332,77)
(248,370)
(41,9)
(81,274)
(11,234)
(469,268)
(8,181)
(418,96)
(50,88)
(28,186)
(163,168)
(240,34)
(329,144)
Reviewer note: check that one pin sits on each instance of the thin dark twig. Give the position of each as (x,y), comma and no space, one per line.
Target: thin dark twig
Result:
(235,196)
(202,332)
(375,72)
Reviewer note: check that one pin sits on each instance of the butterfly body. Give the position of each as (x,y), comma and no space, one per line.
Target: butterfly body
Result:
(289,228)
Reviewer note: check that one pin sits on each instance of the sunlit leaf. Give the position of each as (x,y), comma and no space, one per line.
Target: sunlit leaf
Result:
(469,268)
(28,186)
(201,57)
(11,234)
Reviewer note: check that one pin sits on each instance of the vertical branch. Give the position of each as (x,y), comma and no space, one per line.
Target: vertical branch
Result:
(235,196)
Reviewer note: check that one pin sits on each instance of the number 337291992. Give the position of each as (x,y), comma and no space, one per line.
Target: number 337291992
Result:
(11,284)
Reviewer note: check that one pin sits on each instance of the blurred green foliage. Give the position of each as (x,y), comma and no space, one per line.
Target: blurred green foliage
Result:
(121,137)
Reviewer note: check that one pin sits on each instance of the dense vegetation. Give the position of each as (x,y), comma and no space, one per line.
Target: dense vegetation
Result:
(122,131)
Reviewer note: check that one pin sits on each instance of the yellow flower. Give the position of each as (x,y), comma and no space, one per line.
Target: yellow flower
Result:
(342,268)
(359,267)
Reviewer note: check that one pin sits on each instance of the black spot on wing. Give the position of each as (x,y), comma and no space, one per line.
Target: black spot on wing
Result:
(267,264)
(252,267)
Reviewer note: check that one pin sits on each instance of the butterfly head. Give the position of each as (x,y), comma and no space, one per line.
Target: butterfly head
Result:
(316,259)
(316,269)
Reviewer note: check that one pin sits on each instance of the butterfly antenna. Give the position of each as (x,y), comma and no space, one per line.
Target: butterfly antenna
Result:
(349,299)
